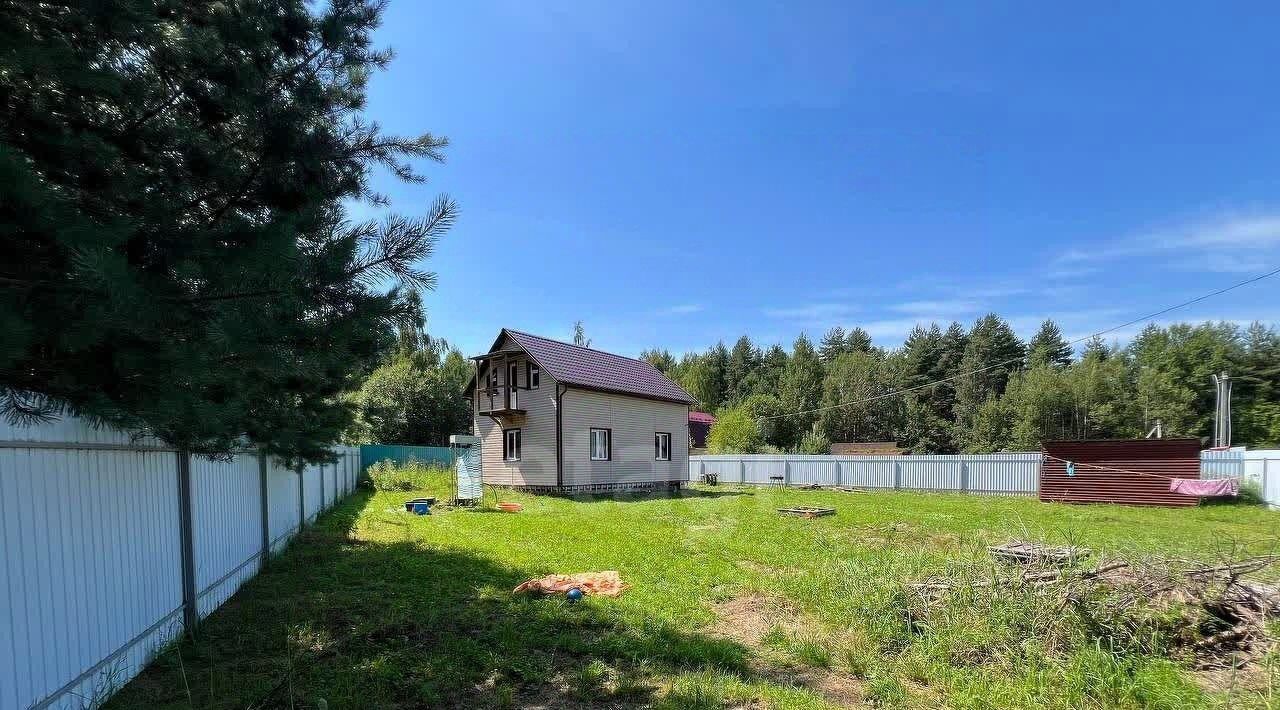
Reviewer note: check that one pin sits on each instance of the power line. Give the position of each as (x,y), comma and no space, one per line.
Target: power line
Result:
(1011,361)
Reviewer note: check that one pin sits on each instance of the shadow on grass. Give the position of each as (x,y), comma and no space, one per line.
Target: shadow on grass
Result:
(370,624)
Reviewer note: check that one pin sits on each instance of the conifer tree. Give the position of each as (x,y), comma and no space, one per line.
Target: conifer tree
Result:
(833,345)
(800,389)
(1048,347)
(742,376)
(992,352)
(858,341)
(177,256)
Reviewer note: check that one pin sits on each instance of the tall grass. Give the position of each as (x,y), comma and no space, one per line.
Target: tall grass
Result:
(387,475)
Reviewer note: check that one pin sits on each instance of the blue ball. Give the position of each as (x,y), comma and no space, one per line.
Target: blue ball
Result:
(574,594)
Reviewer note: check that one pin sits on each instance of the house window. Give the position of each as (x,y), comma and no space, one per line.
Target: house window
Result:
(511,444)
(532,375)
(493,378)
(601,444)
(662,446)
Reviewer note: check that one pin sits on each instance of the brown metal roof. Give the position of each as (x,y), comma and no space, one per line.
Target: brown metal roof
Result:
(1152,463)
(589,368)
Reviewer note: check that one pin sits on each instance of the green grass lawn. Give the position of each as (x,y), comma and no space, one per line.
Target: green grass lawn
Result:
(732,606)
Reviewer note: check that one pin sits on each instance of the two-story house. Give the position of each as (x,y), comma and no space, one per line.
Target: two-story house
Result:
(558,417)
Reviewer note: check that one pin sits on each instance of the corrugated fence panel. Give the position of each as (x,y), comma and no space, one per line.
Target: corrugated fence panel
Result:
(90,542)
(1007,474)
(867,471)
(1015,473)
(1222,464)
(331,483)
(823,470)
(759,469)
(373,453)
(1260,467)
(91,553)
(282,509)
(78,431)
(1003,474)
(226,517)
(933,473)
(311,491)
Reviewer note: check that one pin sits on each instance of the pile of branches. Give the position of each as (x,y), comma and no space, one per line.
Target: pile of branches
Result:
(1211,616)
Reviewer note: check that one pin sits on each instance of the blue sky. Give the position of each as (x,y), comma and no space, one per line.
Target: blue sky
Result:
(674,174)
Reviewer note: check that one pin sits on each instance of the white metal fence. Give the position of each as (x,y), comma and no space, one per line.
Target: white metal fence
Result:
(988,474)
(1261,467)
(111,544)
(991,474)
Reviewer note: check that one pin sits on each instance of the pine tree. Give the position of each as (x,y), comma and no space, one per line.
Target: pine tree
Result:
(660,359)
(833,345)
(851,380)
(800,389)
(178,255)
(717,362)
(992,353)
(1048,347)
(771,367)
(859,341)
(742,376)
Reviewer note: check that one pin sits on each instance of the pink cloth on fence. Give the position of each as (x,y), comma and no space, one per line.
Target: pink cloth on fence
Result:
(1215,487)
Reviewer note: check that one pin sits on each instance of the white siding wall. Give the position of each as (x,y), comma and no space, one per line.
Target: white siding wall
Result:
(537,465)
(91,553)
(634,421)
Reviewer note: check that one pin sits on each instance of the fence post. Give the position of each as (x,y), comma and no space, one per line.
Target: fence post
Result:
(897,476)
(964,476)
(786,472)
(322,498)
(190,614)
(265,494)
(1266,490)
(302,498)
(742,472)
(839,466)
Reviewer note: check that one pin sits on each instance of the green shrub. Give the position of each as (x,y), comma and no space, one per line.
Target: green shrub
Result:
(387,475)
(734,432)
(815,442)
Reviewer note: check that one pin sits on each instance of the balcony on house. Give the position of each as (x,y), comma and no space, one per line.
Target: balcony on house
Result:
(499,399)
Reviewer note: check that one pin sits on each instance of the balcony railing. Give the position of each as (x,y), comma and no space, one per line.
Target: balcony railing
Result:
(502,398)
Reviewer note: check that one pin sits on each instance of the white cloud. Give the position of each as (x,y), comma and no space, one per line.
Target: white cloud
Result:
(937,308)
(1193,243)
(682,309)
(813,312)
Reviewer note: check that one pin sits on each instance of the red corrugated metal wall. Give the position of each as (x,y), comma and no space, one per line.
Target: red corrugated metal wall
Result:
(1165,458)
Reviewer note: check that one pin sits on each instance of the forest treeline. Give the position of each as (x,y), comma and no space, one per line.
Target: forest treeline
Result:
(1019,393)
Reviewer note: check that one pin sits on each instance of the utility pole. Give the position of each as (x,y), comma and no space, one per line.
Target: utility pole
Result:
(1222,414)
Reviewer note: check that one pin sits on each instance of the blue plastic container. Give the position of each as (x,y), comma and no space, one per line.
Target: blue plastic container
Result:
(420,506)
